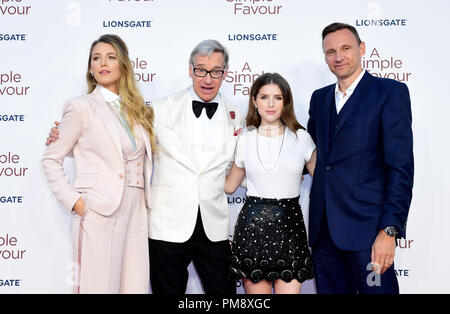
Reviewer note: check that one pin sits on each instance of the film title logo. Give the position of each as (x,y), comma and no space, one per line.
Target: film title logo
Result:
(405,243)
(14,7)
(141,73)
(242,80)
(255,7)
(8,163)
(385,67)
(9,85)
(9,250)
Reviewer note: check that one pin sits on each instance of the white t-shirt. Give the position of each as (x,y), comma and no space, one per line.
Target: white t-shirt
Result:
(284,180)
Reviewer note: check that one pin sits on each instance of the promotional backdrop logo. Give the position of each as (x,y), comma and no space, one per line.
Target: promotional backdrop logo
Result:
(9,250)
(255,7)
(405,243)
(402,272)
(236,200)
(14,199)
(252,37)
(10,282)
(381,22)
(12,118)
(8,82)
(13,37)
(141,73)
(127,24)
(385,67)
(14,7)
(242,80)
(6,161)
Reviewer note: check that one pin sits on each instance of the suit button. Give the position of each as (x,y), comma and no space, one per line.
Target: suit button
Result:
(328,167)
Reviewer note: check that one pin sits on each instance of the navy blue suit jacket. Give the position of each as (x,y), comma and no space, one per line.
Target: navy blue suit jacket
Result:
(364,172)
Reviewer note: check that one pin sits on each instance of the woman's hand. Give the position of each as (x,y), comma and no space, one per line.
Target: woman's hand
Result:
(79,207)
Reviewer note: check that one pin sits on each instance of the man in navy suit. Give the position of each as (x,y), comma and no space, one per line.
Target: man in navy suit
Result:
(362,186)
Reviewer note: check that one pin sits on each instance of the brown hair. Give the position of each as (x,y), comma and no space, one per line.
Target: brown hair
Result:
(334,27)
(132,102)
(288,114)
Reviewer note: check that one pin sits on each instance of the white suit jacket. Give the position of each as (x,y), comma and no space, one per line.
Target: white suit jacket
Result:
(179,186)
(88,130)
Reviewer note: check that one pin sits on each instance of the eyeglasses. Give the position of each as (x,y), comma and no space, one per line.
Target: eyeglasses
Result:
(213,73)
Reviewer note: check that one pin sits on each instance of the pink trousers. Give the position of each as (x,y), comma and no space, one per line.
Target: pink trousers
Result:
(111,252)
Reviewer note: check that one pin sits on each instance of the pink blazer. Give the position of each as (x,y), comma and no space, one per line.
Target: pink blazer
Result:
(87,130)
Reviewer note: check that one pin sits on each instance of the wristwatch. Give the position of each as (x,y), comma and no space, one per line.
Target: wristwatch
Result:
(391,231)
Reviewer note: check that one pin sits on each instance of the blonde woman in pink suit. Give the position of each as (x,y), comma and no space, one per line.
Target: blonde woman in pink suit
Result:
(110,134)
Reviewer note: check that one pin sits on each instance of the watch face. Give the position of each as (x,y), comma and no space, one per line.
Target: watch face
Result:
(391,231)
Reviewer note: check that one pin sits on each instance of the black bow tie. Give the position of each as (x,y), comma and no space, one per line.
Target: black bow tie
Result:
(210,107)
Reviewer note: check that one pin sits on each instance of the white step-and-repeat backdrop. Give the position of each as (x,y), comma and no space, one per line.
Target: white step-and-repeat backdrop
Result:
(44,48)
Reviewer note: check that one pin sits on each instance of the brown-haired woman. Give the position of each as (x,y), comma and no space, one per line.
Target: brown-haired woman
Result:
(270,244)
(109,131)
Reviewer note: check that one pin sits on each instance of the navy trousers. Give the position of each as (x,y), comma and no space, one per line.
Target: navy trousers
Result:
(348,272)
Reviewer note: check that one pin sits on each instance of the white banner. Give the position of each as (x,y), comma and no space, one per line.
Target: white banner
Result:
(44,48)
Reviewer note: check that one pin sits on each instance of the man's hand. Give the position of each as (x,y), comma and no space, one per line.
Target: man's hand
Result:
(53,135)
(383,252)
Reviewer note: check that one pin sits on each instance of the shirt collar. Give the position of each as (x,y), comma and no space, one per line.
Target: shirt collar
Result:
(194,96)
(109,95)
(352,87)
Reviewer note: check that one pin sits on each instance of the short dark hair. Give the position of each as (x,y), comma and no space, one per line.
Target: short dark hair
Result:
(338,26)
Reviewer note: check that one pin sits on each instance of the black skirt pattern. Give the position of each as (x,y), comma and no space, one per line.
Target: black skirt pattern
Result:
(270,242)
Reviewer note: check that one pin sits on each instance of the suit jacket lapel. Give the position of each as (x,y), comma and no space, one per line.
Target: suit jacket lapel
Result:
(143,134)
(231,125)
(353,102)
(324,119)
(182,133)
(106,116)
(175,135)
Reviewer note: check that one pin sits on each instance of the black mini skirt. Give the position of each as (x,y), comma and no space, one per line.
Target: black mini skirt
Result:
(270,242)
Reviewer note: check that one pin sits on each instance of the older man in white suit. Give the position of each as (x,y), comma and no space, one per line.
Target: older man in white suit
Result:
(196,131)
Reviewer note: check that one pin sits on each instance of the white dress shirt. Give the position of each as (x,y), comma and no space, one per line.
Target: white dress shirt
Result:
(109,95)
(339,96)
(206,135)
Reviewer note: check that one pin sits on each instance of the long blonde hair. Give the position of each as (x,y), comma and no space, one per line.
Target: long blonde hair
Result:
(132,102)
